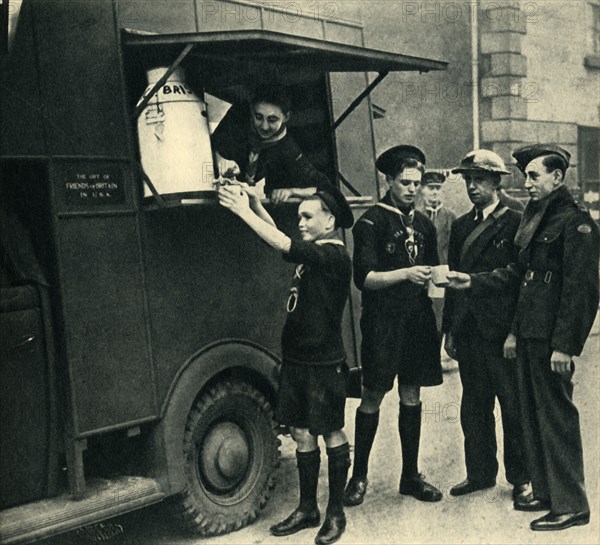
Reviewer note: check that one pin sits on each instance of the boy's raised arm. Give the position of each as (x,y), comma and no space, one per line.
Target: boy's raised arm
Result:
(237,200)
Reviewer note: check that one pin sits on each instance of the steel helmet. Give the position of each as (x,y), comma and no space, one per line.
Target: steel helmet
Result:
(482,160)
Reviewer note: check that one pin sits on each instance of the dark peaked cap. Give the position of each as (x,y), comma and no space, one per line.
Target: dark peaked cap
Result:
(337,204)
(433,178)
(390,162)
(526,154)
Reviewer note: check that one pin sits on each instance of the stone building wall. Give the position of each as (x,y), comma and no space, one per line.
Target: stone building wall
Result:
(535,85)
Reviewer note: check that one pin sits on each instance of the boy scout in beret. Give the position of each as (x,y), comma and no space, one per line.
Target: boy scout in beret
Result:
(312,389)
(557,275)
(476,329)
(395,247)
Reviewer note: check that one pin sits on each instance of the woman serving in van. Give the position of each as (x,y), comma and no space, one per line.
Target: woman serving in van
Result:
(252,143)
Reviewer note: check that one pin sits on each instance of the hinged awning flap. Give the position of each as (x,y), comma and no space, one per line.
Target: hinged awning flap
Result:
(285,49)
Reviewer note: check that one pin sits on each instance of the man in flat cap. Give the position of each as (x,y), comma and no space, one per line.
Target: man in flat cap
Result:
(394,249)
(312,388)
(557,271)
(477,328)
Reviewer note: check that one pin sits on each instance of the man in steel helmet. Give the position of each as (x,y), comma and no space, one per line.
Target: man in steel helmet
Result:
(476,329)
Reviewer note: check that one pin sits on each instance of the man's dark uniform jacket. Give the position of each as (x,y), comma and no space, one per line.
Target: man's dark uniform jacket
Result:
(557,271)
(480,327)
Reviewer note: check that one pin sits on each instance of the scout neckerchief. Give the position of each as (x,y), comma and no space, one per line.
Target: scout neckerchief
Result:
(407,222)
(258,144)
(292,301)
(481,227)
(532,217)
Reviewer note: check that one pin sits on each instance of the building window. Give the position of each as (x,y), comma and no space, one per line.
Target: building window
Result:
(589,168)
(592,60)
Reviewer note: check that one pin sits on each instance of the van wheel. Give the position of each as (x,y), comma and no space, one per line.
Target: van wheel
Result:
(230,451)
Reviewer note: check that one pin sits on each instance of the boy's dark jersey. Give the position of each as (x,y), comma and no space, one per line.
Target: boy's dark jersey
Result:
(312,334)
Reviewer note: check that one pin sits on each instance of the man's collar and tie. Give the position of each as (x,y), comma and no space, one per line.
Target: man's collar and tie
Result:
(483,219)
(482,215)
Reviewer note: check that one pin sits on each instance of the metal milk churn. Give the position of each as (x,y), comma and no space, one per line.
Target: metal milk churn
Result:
(174,137)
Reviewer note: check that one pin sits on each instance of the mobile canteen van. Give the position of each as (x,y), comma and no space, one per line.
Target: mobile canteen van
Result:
(140,324)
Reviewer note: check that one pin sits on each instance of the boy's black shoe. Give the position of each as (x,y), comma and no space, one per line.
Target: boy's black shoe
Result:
(418,488)
(355,492)
(332,529)
(297,521)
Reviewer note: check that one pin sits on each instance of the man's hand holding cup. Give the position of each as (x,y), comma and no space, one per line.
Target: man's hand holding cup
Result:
(458,280)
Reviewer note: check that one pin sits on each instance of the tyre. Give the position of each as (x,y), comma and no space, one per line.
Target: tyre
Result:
(230,451)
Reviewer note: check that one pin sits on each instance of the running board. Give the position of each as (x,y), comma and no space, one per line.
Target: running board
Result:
(103,499)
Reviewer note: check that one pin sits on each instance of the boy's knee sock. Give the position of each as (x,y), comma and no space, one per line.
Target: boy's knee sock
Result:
(364,435)
(409,426)
(308,477)
(339,462)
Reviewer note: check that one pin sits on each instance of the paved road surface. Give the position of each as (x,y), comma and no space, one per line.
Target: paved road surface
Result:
(388,518)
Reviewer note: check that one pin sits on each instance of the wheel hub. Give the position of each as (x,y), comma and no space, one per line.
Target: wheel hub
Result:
(224,456)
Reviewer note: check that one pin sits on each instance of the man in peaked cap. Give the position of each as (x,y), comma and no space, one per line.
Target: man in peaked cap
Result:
(557,275)
(476,330)
(430,203)
(395,247)
(312,389)
(432,206)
